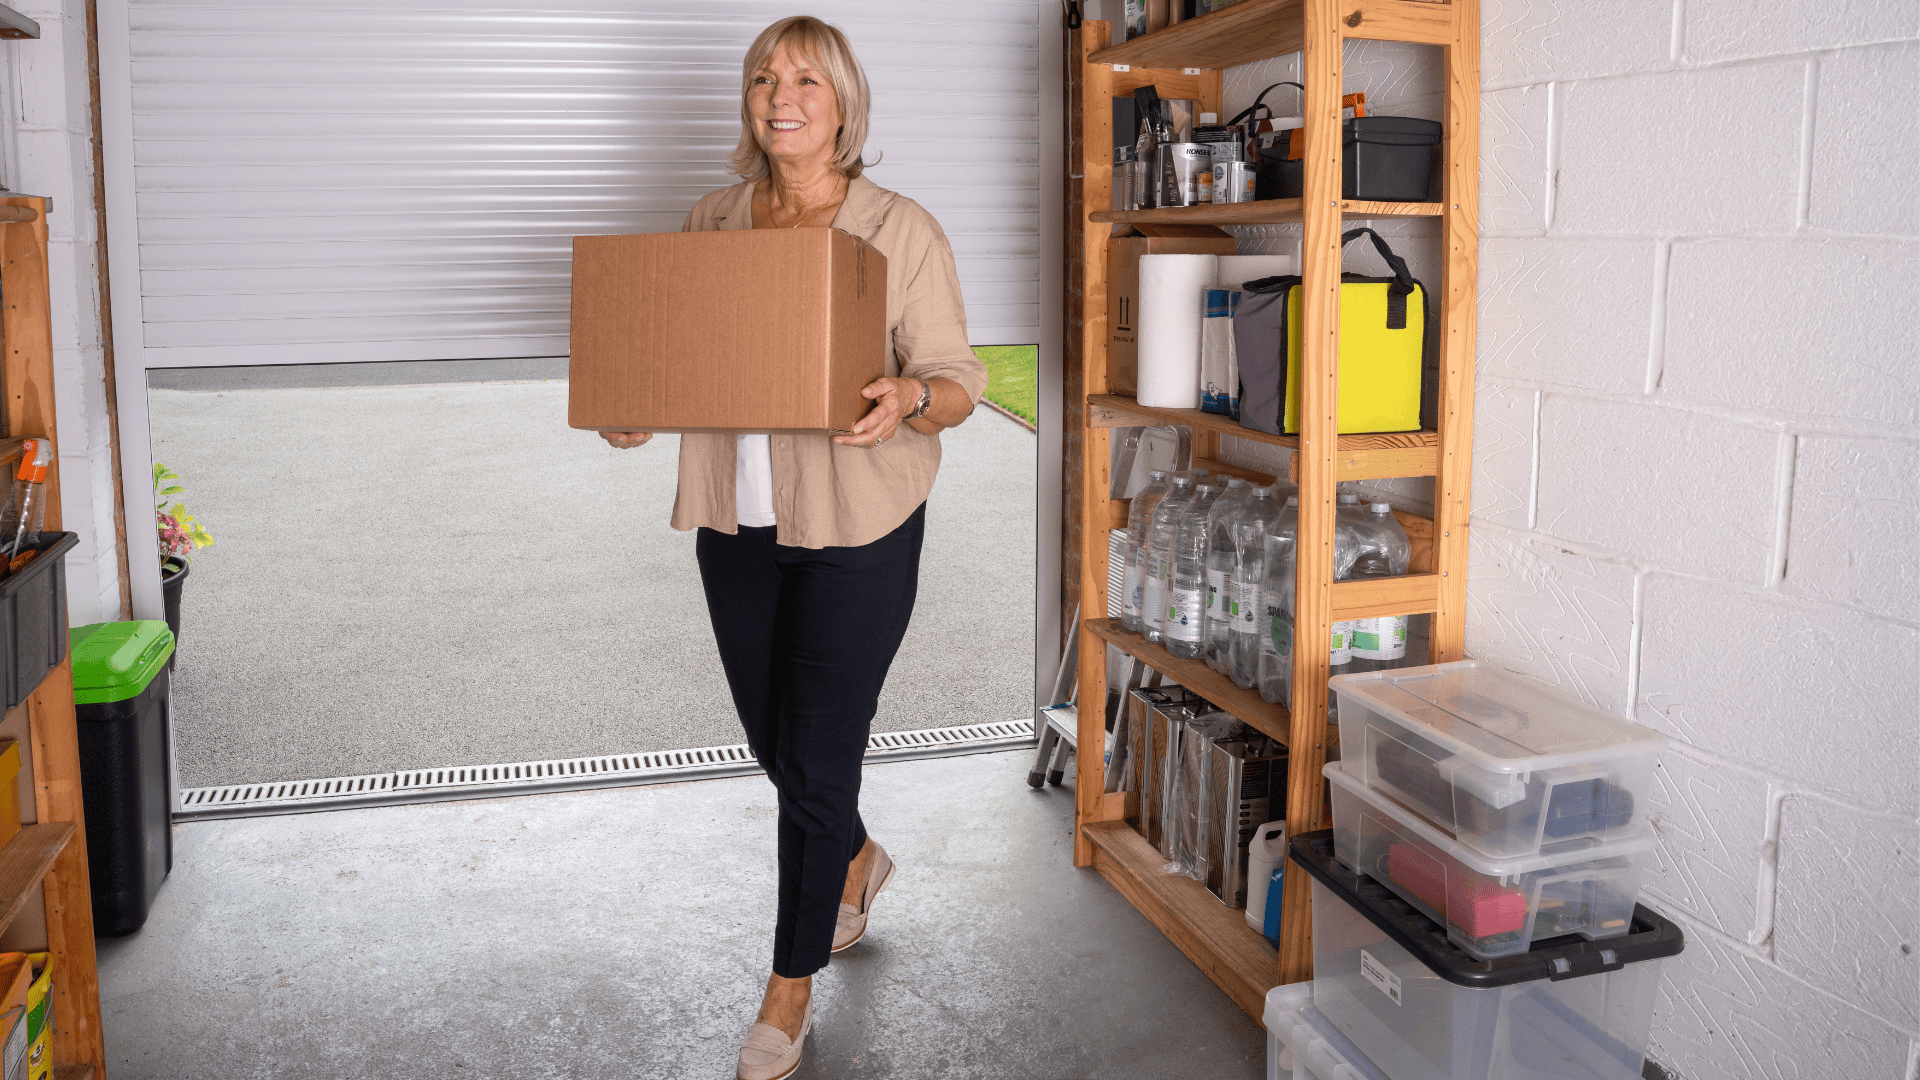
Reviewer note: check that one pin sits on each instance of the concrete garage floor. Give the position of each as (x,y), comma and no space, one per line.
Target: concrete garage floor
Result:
(626,933)
(420,565)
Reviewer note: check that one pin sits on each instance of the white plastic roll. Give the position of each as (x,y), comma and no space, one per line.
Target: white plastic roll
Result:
(1236,270)
(1173,297)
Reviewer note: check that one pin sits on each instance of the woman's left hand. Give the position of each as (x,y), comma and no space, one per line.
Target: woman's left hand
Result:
(893,399)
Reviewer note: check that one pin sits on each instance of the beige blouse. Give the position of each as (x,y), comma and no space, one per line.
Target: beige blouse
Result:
(825,494)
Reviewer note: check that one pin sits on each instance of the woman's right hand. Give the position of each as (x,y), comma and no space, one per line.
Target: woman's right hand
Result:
(626,440)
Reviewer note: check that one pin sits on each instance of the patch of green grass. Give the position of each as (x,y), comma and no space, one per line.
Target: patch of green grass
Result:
(1012,377)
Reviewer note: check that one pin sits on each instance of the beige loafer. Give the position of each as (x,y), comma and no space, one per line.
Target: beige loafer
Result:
(767,1054)
(852,924)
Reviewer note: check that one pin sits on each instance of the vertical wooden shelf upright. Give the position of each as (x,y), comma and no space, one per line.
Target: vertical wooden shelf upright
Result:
(52,852)
(1185,60)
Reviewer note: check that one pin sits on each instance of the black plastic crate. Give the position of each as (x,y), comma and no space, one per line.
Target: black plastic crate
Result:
(33,617)
(1383,159)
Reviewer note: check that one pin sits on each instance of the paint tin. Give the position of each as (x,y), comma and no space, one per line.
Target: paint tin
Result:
(1233,181)
(1182,167)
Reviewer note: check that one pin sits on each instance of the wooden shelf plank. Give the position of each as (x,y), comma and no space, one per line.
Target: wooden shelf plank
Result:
(25,860)
(1214,936)
(1257,29)
(1367,598)
(1264,212)
(82,1071)
(1246,705)
(1374,456)
(1247,31)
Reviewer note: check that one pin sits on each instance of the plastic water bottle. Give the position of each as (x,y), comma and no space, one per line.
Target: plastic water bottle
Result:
(1220,606)
(1153,598)
(1139,520)
(1275,666)
(1249,537)
(1186,606)
(1385,551)
(1351,523)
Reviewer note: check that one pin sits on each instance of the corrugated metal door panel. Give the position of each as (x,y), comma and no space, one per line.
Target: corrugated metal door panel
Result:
(345,182)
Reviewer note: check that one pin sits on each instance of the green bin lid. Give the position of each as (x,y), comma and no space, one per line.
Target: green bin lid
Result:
(114,661)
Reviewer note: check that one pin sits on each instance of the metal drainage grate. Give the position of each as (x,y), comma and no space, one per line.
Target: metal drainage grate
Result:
(570,774)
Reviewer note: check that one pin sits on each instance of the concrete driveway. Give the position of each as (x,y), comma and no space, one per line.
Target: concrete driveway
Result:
(424,574)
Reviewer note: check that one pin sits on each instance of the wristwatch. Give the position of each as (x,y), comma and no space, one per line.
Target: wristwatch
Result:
(926,400)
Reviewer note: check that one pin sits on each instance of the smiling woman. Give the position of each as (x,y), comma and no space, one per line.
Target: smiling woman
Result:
(809,545)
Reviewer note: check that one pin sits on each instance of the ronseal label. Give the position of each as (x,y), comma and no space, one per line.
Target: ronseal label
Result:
(1380,975)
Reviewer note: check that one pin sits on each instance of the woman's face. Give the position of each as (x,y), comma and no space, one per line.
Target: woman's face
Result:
(796,114)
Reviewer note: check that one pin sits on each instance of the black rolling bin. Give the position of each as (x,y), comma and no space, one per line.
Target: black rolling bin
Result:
(121,688)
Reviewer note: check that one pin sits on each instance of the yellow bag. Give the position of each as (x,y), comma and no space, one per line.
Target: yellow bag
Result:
(1387,376)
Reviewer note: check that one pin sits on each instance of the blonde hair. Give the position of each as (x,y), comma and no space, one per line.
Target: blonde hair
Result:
(827,49)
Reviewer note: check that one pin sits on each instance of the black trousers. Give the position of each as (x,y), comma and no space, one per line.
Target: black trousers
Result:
(806,637)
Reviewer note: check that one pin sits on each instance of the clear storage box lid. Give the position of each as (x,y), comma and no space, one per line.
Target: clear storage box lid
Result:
(1499,722)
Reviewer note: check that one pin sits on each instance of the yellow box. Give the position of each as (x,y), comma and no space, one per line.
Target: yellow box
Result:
(9,790)
(26,1016)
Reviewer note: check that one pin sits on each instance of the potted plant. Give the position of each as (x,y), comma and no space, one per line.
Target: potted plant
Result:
(180,537)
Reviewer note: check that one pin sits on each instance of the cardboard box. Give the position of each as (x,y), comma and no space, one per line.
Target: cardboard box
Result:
(1123,289)
(773,330)
(16,978)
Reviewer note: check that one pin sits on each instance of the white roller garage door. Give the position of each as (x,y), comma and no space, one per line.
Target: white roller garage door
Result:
(331,182)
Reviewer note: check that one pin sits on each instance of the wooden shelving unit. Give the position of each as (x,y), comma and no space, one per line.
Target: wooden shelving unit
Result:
(52,853)
(1217,938)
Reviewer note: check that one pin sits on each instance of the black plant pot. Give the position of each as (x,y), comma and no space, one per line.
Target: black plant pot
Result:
(173,576)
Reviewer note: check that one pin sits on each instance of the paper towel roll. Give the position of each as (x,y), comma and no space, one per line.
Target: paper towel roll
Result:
(1173,296)
(1236,270)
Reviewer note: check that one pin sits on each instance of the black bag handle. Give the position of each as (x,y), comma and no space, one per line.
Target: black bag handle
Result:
(1403,280)
(1247,114)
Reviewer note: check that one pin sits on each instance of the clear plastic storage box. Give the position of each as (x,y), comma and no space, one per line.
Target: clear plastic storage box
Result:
(1302,1044)
(1416,1008)
(1490,907)
(1509,768)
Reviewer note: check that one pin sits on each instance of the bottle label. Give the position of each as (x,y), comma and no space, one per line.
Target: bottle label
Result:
(1279,626)
(1342,644)
(1246,607)
(1219,596)
(1384,638)
(1183,615)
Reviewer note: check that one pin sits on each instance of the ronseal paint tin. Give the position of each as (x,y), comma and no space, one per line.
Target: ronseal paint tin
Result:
(1181,167)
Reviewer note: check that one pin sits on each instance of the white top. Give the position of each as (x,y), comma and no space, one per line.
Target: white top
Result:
(753,481)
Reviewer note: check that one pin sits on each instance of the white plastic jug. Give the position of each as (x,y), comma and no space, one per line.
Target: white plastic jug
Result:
(1264,852)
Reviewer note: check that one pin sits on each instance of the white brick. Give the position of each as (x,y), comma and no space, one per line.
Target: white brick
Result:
(1502,454)
(1737,29)
(1542,40)
(1573,312)
(1685,491)
(1563,619)
(47,166)
(1711,818)
(1398,77)
(1514,160)
(1696,151)
(50,90)
(73,295)
(1810,327)
(1856,511)
(1722,1015)
(1791,690)
(1240,85)
(1847,913)
(1866,136)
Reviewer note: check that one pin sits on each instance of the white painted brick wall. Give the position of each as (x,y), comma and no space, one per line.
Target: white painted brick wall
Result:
(1715,308)
(1697,474)
(49,152)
